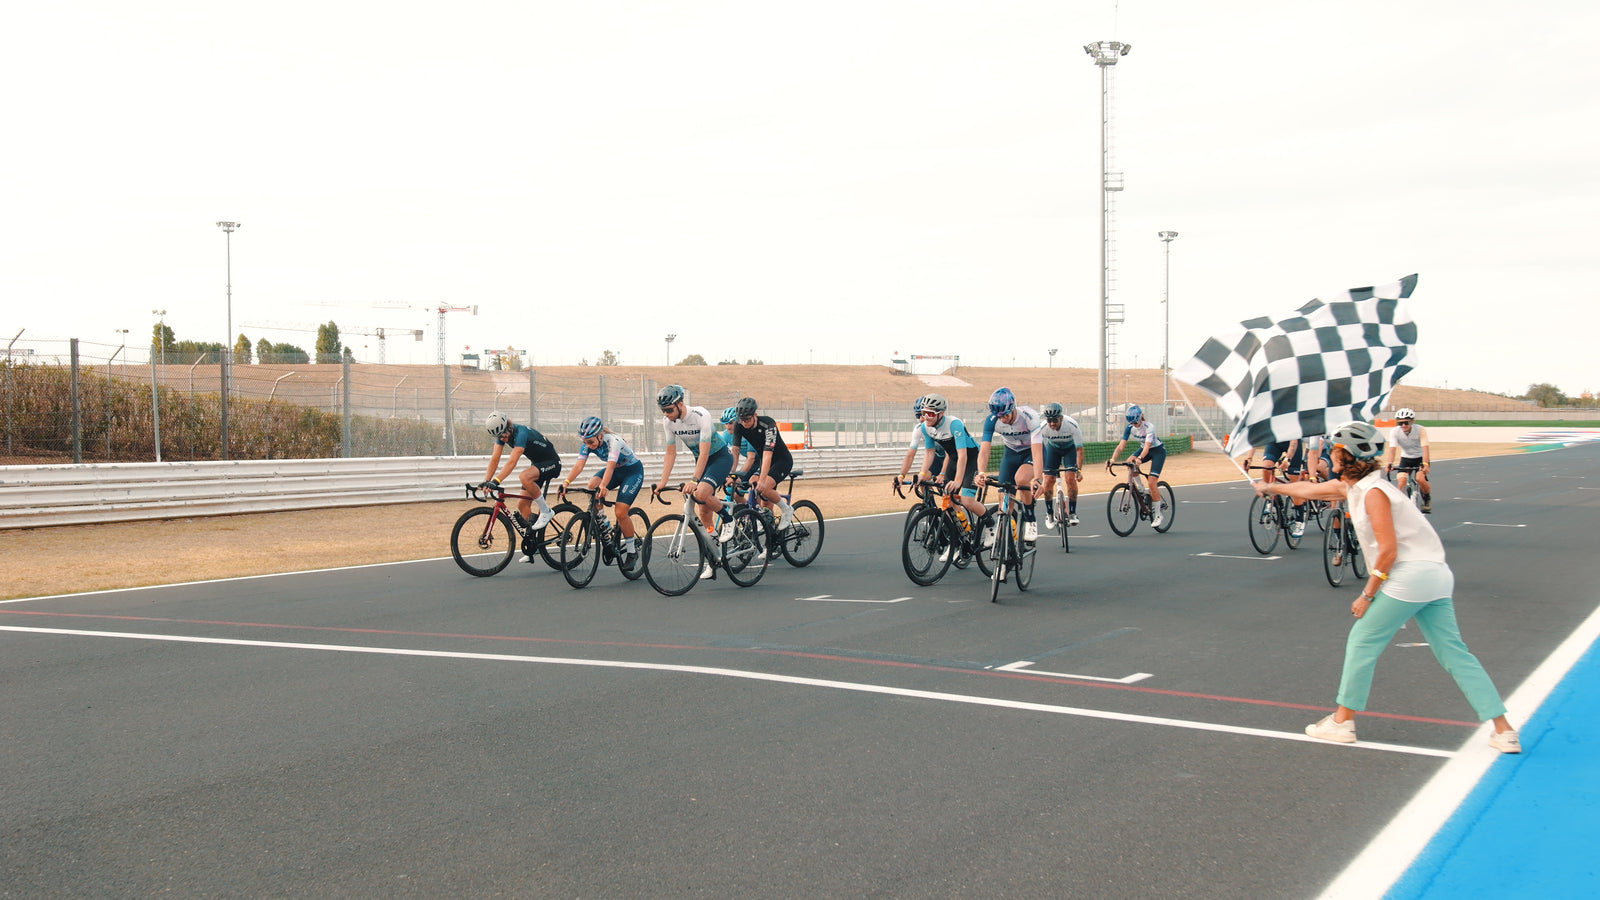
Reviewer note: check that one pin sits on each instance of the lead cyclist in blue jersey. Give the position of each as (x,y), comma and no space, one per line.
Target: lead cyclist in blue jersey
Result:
(697,429)
(1022,462)
(1150,450)
(623,471)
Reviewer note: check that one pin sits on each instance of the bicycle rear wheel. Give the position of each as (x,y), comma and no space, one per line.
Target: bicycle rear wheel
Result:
(801,543)
(1061,519)
(926,547)
(1358,560)
(482,542)
(1025,558)
(673,556)
(1333,549)
(1168,508)
(745,554)
(641,528)
(1122,509)
(548,550)
(1286,520)
(1264,524)
(580,552)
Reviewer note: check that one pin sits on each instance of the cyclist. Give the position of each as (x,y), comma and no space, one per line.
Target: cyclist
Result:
(623,471)
(774,463)
(918,441)
(1410,441)
(1290,456)
(1150,448)
(948,434)
(545,464)
(1022,461)
(1319,464)
(694,426)
(1063,449)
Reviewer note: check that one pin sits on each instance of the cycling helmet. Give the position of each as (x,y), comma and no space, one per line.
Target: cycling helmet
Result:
(1134,414)
(497,424)
(729,414)
(1052,410)
(935,403)
(1002,402)
(916,407)
(671,395)
(590,427)
(1405,413)
(746,406)
(1359,439)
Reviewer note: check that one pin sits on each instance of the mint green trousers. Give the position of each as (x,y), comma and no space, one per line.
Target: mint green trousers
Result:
(1371,635)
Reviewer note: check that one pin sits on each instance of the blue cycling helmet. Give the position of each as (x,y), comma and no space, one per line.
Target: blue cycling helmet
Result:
(1002,402)
(670,395)
(729,414)
(590,427)
(916,407)
(1052,410)
(1134,414)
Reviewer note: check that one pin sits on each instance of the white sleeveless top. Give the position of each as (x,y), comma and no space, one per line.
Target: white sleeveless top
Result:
(1420,573)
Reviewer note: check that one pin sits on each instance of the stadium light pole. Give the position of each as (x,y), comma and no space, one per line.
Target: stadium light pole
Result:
(670,339)
(155,387)
(227,343)
(1166,319)
(1105,55)
(1052,352)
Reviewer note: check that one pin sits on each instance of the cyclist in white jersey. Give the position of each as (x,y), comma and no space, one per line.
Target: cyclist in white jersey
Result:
(1023,459)
(1063,449)
(697,429)
(1150,449)
(1410,441)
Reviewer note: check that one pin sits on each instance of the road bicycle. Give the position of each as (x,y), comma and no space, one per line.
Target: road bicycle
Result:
(802,540)
(1130,502)
(1011,554)
(485,547)
(1270,517)
(1340,549)
(678,549)
(943,535)
(589,539)
(1411,489)
(1062,502)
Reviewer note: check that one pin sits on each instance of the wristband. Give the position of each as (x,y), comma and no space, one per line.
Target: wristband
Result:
(1381,576)
(495,482)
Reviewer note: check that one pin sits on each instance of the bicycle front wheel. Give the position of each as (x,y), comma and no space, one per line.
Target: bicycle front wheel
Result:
(1169,506)
(580,552)
(1025,555)
(926,547)
(482,542)
(1358,560)
(1264,524)
(546,537)
(1061,521)
(673,556)
(1333,555)
(745,554)
(1122,509)
(999,553)
(802,542)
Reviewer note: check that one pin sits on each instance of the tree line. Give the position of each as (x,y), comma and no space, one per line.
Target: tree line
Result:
(166,348)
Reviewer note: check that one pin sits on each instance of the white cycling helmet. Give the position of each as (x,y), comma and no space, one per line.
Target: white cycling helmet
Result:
(1404,413)
(497,424)
(1359,439)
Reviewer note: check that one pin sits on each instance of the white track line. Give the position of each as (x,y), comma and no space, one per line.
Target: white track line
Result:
(752,676)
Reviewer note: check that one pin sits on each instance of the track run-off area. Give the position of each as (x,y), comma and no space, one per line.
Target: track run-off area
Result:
(1131,725)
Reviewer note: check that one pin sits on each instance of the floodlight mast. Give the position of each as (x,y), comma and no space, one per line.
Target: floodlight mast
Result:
(1105,55)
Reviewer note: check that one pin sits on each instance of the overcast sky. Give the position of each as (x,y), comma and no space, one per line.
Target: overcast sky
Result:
(793,182)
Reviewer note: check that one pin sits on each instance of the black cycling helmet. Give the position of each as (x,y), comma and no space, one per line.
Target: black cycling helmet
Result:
(745,407)
(669,396)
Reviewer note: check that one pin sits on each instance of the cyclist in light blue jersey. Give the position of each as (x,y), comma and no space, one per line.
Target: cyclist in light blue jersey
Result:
(697,429)
(623,471)
(948,433)
(1022,462)
(919,440)
(1150,450)
(1063,449)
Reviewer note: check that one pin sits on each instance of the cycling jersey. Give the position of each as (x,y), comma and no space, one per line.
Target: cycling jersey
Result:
(949,434)
(1143,432)
(1066,436)
(763,435)
(695,427)
(535,446)
(612,446)
(1020,434)
(1410,444)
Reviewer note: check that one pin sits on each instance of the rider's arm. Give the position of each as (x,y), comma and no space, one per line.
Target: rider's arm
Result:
(701,461)
(983,457)
(1079,473)
(494,460)
(1303,490)
(1115,453)
(1422,435)
(667,459)
(583,459)
(511,463)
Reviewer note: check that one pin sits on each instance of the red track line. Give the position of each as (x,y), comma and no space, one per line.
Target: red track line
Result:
(1019,676)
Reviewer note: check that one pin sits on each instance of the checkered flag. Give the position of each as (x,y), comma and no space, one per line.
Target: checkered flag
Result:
(1330,363)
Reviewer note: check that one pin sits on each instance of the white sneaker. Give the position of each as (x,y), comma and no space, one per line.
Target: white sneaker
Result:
(1072,518)
(1506,742)
(725,533)
(1156,522)
(1049,521)
(1329,730)
(1297,529)
(545,515)
(988,536)
(1030,531)
(788,517)
(707,572)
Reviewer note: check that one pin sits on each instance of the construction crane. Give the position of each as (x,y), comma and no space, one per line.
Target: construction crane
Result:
(441,308)
(382,333)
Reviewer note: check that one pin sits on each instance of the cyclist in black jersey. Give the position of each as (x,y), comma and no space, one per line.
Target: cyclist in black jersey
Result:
(546,465)
(774,463)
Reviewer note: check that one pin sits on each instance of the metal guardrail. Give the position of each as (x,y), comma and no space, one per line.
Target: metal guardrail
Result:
(37,496)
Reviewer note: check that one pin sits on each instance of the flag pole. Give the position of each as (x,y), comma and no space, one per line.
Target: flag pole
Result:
(1213,435)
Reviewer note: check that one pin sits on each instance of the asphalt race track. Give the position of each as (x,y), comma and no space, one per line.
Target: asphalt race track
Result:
(1131,726)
